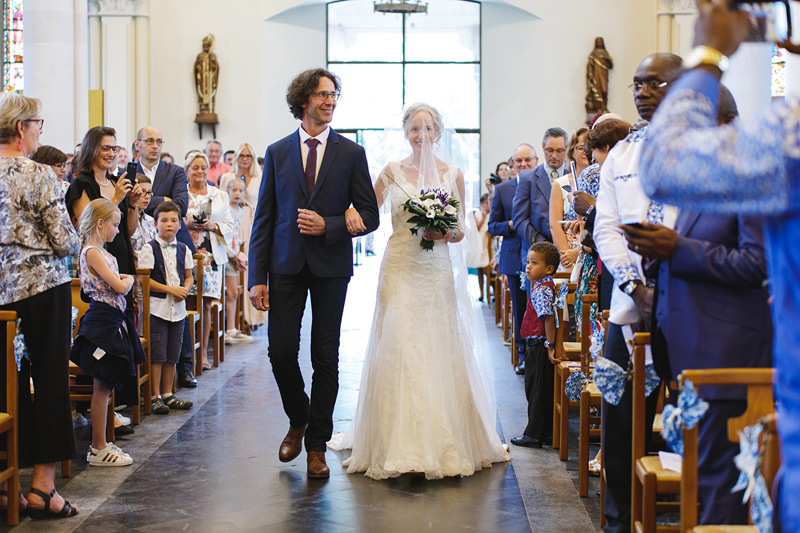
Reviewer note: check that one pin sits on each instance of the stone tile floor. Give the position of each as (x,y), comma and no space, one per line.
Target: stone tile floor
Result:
(215,468)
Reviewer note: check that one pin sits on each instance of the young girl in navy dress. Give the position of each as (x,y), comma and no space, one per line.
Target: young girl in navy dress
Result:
(107,347)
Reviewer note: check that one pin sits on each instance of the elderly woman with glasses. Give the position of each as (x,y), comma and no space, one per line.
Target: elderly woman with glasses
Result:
(35,239)
(56,159)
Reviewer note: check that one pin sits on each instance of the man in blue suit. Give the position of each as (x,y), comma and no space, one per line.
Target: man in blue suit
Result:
(501,225)
(710,278)
(169,184)
(299,245)
(531,210)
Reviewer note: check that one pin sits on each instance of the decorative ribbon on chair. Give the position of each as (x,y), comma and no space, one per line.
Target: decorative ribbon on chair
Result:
(750,479)
(611,378)
(74,318)
(598,338)
(574,385)
(561,300)
(690,410)
(20,350)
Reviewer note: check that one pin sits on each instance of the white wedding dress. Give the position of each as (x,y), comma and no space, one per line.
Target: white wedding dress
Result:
(424,404)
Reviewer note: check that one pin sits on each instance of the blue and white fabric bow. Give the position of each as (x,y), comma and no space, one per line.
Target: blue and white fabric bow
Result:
(597,339)
(750,479)
(611,378)
(574,385)
(690,410)
(20,350)
(561,300)
(74,318)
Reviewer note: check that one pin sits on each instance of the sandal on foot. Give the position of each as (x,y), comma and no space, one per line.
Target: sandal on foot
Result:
(173,402)
(594,468)
(66,511)
(4,510)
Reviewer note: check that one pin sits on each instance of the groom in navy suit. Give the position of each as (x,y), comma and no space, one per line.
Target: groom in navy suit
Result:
(300,244)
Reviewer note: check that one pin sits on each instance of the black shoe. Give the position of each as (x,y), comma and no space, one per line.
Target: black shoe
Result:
(520,369)
(188,380)
(528,442)
(121,431)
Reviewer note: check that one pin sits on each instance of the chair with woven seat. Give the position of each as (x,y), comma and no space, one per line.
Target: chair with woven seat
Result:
(218,326)
(9,420)
(568,352)
(760,409)
(590,397)
(196,317)
(143,370)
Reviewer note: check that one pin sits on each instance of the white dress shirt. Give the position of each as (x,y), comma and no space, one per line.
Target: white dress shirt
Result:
(166,308)
(323,142)
(150,172)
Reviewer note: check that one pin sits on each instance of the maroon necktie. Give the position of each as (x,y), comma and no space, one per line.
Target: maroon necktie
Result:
(311,164)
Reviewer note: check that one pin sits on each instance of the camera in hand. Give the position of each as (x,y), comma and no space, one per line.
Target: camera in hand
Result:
(200,219)
(494,179)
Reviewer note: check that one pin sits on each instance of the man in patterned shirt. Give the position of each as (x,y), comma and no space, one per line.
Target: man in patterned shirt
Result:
(750,166)
(621,200)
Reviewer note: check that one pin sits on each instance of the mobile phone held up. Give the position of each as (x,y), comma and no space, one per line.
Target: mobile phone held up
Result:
(769,21)
(131,172)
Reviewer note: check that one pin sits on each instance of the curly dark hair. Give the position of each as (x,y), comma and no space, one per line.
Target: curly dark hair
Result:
(549,253)
(303,85)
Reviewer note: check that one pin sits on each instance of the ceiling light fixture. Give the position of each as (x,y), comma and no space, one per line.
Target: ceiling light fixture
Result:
(403,7)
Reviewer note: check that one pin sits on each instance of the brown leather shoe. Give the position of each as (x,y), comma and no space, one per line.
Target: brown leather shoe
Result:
(317,467)
(292,444)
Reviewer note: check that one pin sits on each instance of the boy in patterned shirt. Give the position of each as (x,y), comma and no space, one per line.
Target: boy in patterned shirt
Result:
(539,331)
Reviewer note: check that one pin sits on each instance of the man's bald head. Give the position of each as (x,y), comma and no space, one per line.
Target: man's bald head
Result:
(653,78)
(149,143)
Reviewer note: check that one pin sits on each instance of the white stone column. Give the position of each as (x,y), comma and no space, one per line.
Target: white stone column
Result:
(49,67)
(142,24)
(81,69)
(749,77)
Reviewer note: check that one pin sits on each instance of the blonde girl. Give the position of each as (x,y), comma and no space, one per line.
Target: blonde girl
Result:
(238,263)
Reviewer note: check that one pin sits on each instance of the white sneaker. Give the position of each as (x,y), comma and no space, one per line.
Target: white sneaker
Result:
(124,420)
(108,456)
(78,421)
(230,338)
(241,337)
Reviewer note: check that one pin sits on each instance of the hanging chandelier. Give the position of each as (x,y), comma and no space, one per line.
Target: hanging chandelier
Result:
(403,7)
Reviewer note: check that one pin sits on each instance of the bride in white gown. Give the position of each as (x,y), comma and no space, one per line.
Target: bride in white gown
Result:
(426,401)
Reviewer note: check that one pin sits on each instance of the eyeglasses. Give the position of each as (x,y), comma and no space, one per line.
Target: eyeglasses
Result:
(107,148)
(39,120)
(550,151)
(579,147)
(62,166)
(151,141)
(652,85)
(147,194)
(245,156)
(323,95)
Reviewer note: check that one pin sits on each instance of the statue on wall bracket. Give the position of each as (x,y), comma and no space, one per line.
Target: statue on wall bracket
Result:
(206,76)
(597,67)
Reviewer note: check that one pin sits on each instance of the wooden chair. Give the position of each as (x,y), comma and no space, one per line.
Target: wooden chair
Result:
(143,371)
(83,393)
(649,478)
(567,352)
(590,397)
(218,325)
(507,313)
(760,405)
(602,464)
(498,297)
(238,318)
(9,420)
(196,317)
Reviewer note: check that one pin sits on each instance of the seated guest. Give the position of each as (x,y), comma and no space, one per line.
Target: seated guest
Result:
(710,281)
(37,236)
(539,331)
(56,159)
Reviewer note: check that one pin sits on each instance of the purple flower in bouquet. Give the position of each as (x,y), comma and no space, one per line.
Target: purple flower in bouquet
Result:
(433,210)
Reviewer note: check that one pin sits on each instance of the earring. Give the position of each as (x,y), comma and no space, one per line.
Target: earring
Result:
(20,146)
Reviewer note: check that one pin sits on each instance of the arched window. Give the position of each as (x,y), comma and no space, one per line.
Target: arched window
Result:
(13,78)
(388,61)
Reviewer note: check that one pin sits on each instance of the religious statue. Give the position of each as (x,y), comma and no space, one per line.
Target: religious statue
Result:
(206,75)
(600,62)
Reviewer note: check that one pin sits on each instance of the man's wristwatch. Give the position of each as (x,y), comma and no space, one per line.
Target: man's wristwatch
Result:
(629,287)
(590,210)
(548,344)
(705,55)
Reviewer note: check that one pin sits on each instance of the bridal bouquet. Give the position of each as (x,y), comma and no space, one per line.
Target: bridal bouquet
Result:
(434,210)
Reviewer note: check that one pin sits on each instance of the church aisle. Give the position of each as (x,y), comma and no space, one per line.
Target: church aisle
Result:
(216,468)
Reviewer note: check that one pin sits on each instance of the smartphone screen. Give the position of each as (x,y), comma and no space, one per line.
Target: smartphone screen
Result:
(769,21)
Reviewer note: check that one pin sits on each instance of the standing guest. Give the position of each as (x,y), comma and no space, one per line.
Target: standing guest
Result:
(211,227)
(300,244)
(35,237)
(170,263)
(246,169)
(56,159)
(512,168)
(482,223)
(216,167)
(623,200)
(145,232)
(539,331)
(561,195)
(107,328)
(236,264)
(72,164)
(502,172)
(531,209)
(229,157)
(502,225)
(167,158)
(168,185)
(742,168)
(122,162)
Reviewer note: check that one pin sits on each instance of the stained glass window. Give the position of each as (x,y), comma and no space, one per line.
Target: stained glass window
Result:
(13,78)
(778,71)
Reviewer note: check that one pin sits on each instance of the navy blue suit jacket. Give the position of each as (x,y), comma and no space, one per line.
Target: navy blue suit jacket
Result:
(532,206)
(509,262)
(276,245)
(711,306)
(170,181)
